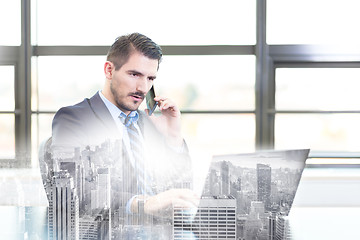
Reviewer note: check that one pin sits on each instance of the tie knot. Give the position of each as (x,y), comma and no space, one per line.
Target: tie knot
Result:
(130,119)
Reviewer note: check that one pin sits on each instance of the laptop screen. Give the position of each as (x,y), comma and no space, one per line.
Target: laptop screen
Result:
(266,179)
(245,196)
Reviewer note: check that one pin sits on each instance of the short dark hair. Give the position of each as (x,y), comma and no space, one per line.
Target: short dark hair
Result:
(124,46)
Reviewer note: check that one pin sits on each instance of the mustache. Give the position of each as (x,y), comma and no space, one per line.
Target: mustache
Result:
(138,94)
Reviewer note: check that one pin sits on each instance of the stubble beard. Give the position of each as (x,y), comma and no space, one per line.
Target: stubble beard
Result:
(123,106)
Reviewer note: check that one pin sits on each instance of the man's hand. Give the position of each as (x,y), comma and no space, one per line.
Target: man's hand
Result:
(161,204)
(169,123)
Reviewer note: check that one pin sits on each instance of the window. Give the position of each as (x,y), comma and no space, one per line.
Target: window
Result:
(317,108)
(220,82)
(312,22)
(214,134)
(7,83)
(195,83)
(10,27)
(65,80)
(215,83)
(7,110)
(317,89)
(186,22)
(7,136)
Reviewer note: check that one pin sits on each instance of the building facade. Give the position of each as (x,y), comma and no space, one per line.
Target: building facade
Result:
(215,218)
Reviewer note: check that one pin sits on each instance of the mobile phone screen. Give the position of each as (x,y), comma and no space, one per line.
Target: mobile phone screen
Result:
(150,102)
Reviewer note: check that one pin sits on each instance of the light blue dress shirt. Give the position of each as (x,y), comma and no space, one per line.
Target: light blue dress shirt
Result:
(119,118)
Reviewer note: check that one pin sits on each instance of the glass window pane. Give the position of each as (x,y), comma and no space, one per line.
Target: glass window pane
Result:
(312,22)
(41,131)
(10,22)
(317,88)
(7,99)
(166,22)
(319,132)
(7,136)
(208,82)
(213,134)
(207,135)
(64,80)
(196,88)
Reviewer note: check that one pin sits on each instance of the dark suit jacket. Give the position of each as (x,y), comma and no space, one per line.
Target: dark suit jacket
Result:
(89,123)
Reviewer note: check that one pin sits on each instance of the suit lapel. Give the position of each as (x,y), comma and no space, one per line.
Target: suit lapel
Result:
(103,114)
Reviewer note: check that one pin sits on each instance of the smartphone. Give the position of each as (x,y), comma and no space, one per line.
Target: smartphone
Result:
(150,102)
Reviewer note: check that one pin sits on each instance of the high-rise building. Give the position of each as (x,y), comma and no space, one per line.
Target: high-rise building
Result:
(225,178)
(88,228)
(212,184)
(272,226)
(257,208)
(235,186)
(215,218)
(264,184)
(95,227)
(104,187)
(63,208)
(283,231)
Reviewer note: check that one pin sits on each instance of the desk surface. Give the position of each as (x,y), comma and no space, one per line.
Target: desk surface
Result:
(328,223)
(327,205)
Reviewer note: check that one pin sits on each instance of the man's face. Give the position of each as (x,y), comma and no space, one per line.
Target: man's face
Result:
(130,83)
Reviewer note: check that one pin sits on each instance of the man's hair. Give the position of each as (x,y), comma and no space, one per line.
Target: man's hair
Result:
(124,46)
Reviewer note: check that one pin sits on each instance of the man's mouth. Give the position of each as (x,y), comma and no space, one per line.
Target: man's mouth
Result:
(138,97)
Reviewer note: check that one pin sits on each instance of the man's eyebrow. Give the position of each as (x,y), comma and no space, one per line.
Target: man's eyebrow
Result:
(135,72)
(139,73)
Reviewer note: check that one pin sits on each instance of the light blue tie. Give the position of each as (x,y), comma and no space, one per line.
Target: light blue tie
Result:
(137,150)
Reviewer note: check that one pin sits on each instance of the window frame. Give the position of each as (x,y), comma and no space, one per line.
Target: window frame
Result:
(19,57)
(314,56)
(268,58)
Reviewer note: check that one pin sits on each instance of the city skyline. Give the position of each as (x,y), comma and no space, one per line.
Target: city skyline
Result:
(264,190)
(259,197)
(83,186)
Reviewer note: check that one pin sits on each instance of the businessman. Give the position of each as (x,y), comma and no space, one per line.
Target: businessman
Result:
(158,152)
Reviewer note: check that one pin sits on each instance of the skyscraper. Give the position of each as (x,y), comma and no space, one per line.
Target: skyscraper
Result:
(264,184)
(215,219)
(283,230)
(214,188)
(63,208)
(104,187)
(95,227)
(225,178)
(272,226)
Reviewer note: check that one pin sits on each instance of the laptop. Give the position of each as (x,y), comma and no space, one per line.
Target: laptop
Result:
(246,196)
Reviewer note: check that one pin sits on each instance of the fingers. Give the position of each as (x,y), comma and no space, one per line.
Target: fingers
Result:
(181,203)
(147,113)
(161,203)
(184,198)
(165,103)
(188,195)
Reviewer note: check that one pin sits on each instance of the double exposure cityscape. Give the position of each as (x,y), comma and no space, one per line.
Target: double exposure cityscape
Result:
(245,197)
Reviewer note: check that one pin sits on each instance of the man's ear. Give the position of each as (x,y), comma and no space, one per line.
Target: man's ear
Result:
(108,69)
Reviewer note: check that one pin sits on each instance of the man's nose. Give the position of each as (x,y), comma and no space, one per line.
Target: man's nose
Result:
(142,85)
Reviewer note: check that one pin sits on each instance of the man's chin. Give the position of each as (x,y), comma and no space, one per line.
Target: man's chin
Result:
(133,107)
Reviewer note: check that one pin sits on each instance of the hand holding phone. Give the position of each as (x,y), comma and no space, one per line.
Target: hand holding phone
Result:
(150,102)
(169,122)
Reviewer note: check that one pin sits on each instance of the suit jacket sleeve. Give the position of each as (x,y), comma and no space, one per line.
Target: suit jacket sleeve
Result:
(170,167)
